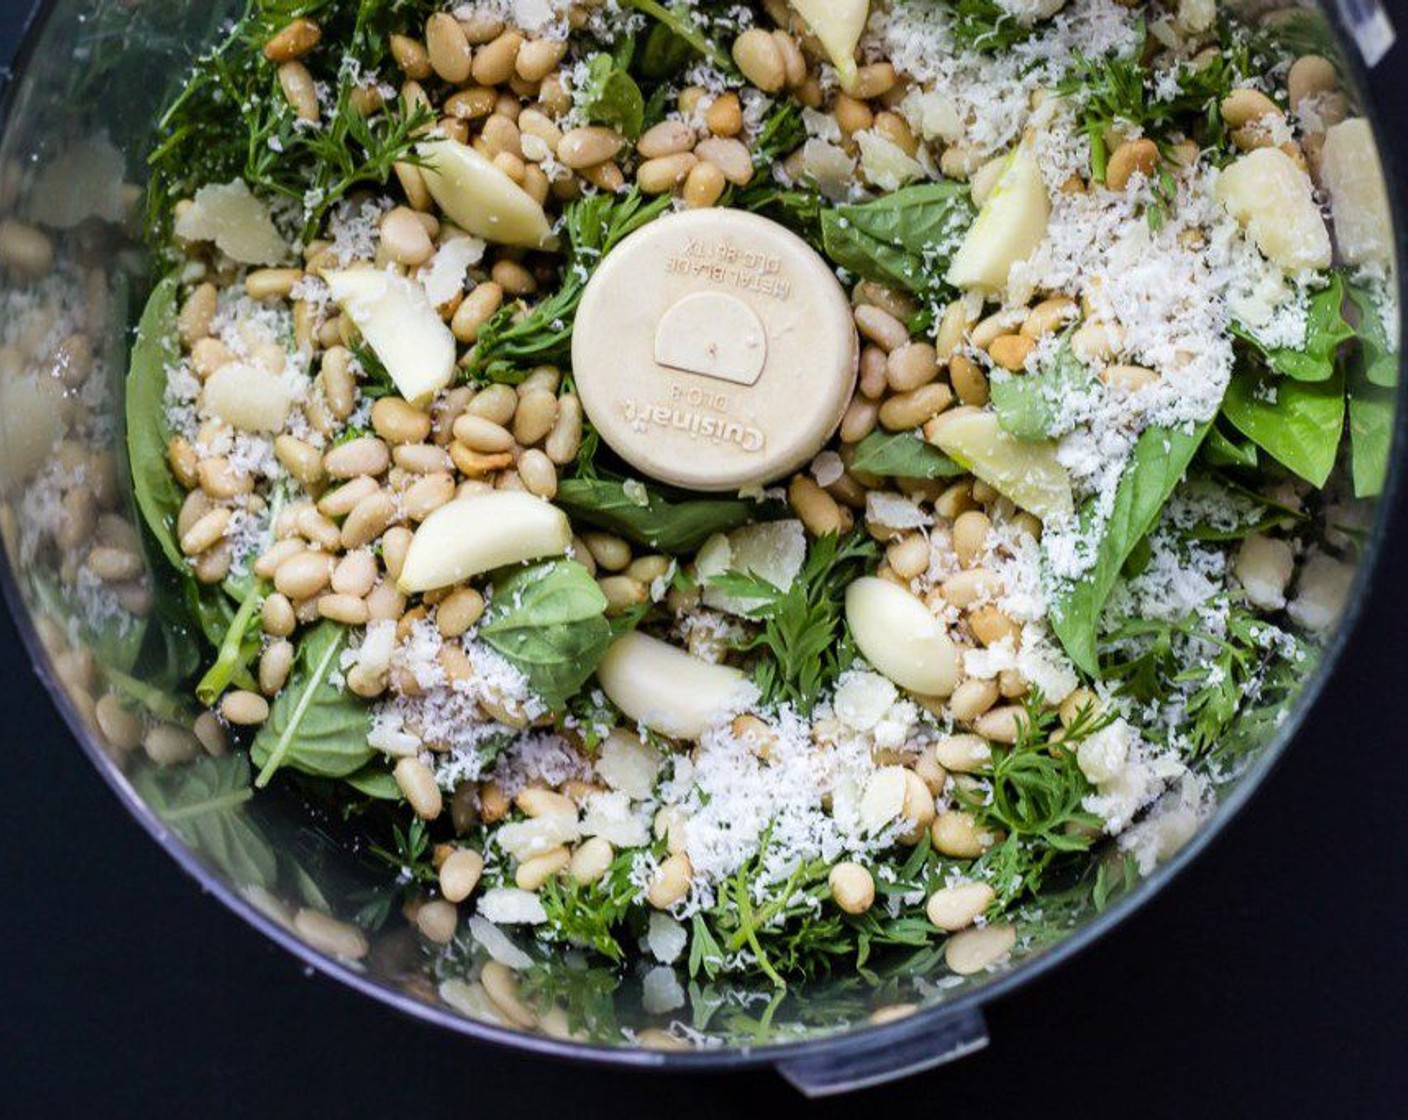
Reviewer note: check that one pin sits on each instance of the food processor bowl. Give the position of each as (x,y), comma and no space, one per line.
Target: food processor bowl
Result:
(76,125)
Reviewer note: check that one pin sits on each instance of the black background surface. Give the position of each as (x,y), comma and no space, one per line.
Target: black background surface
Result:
(1270,978)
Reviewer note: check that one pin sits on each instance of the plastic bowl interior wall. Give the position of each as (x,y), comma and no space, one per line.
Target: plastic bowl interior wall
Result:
(77,121)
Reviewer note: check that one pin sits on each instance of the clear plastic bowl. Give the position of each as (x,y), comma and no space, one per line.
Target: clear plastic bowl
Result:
(76,119)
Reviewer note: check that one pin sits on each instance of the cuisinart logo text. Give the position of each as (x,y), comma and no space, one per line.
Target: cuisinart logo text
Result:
(643,415)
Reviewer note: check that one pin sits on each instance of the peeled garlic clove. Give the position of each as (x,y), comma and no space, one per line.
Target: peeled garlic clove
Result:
(1008,228)
(1354,178)
(247,397)
(398,322)
(901,639)
(838,25)
(668,691)
(481,199)
(1026,472)
(480,533)
(1274,200)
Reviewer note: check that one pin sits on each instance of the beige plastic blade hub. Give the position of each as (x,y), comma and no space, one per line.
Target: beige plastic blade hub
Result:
(715,350)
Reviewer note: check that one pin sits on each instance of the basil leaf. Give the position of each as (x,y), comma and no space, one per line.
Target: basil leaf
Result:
(315,726)
(902,455)
(1160,458)
(549,620)
(1221,450)
(903,239)
(1325,331)
(1297,423)
(1377,357)
(1030,405)
(204,802)
(237,647)
(375,781)
(673,527)
(1371,412)
(157,346)
(611,97)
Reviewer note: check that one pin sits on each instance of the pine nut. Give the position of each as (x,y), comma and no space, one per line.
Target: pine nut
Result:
(293,40)
(1002,725)
(274,665)
(1128,378)
(277,616)
(476,309)
(908,557)
(398,422)
(1011,351)
(366,455)
(535,416)
(611,552)
(622,593)
(427,494)
(205,532)
(968,381)
(565,439)
(874,81)
(852,887)
(971,699)
(303,575)
(458,611)
(221,481)
(479,434)
(417,783)
(405,238)
(244,709)
(704,186)
(671,881)
(367,520)
(355,574)
(963,754)
(759,58)
(447,49)
(970,536)
(907,411)
(411,57)
(460,874)
(1243,106)
(956,834)
(1133,156)
(539,58)
(589,146)
(731,156)
(665,173)
(495,62)
(816,509)
(957,907)
(668,138)
(973,950)
(328,935)
(881,328)
(591,860)
(299,91)
(859,420)
(912,365)
(534,872)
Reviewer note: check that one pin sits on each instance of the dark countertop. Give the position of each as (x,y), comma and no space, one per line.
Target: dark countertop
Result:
(1268,978)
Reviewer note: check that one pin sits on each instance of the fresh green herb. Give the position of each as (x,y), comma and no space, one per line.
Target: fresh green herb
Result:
(1297,423)
(230,119)
(206,803)
(1160,457)
(1031,406)
(610,96)
(156,349)
(512,342)
(549,620)
(1208,670)
(1325,332)
(902,455)
(903,239)
(412,856)
(984,25)
(680,21)
(1225,448)
(644,515)
(237,649)
(315,726)
(802,638)
(1377,357)
(1371,413)
(593,915)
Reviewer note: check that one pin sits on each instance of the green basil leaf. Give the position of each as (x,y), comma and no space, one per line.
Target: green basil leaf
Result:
(904,239)
(1030,405)
(1325,331)
(1222,450)
(611,97)
(902,455)
(549,620)
(1297,423)
(1377,357)
(237,647)
(650,519)
(1371,412)
(375,781)
(1160,458)
(315,726)
(157,346)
